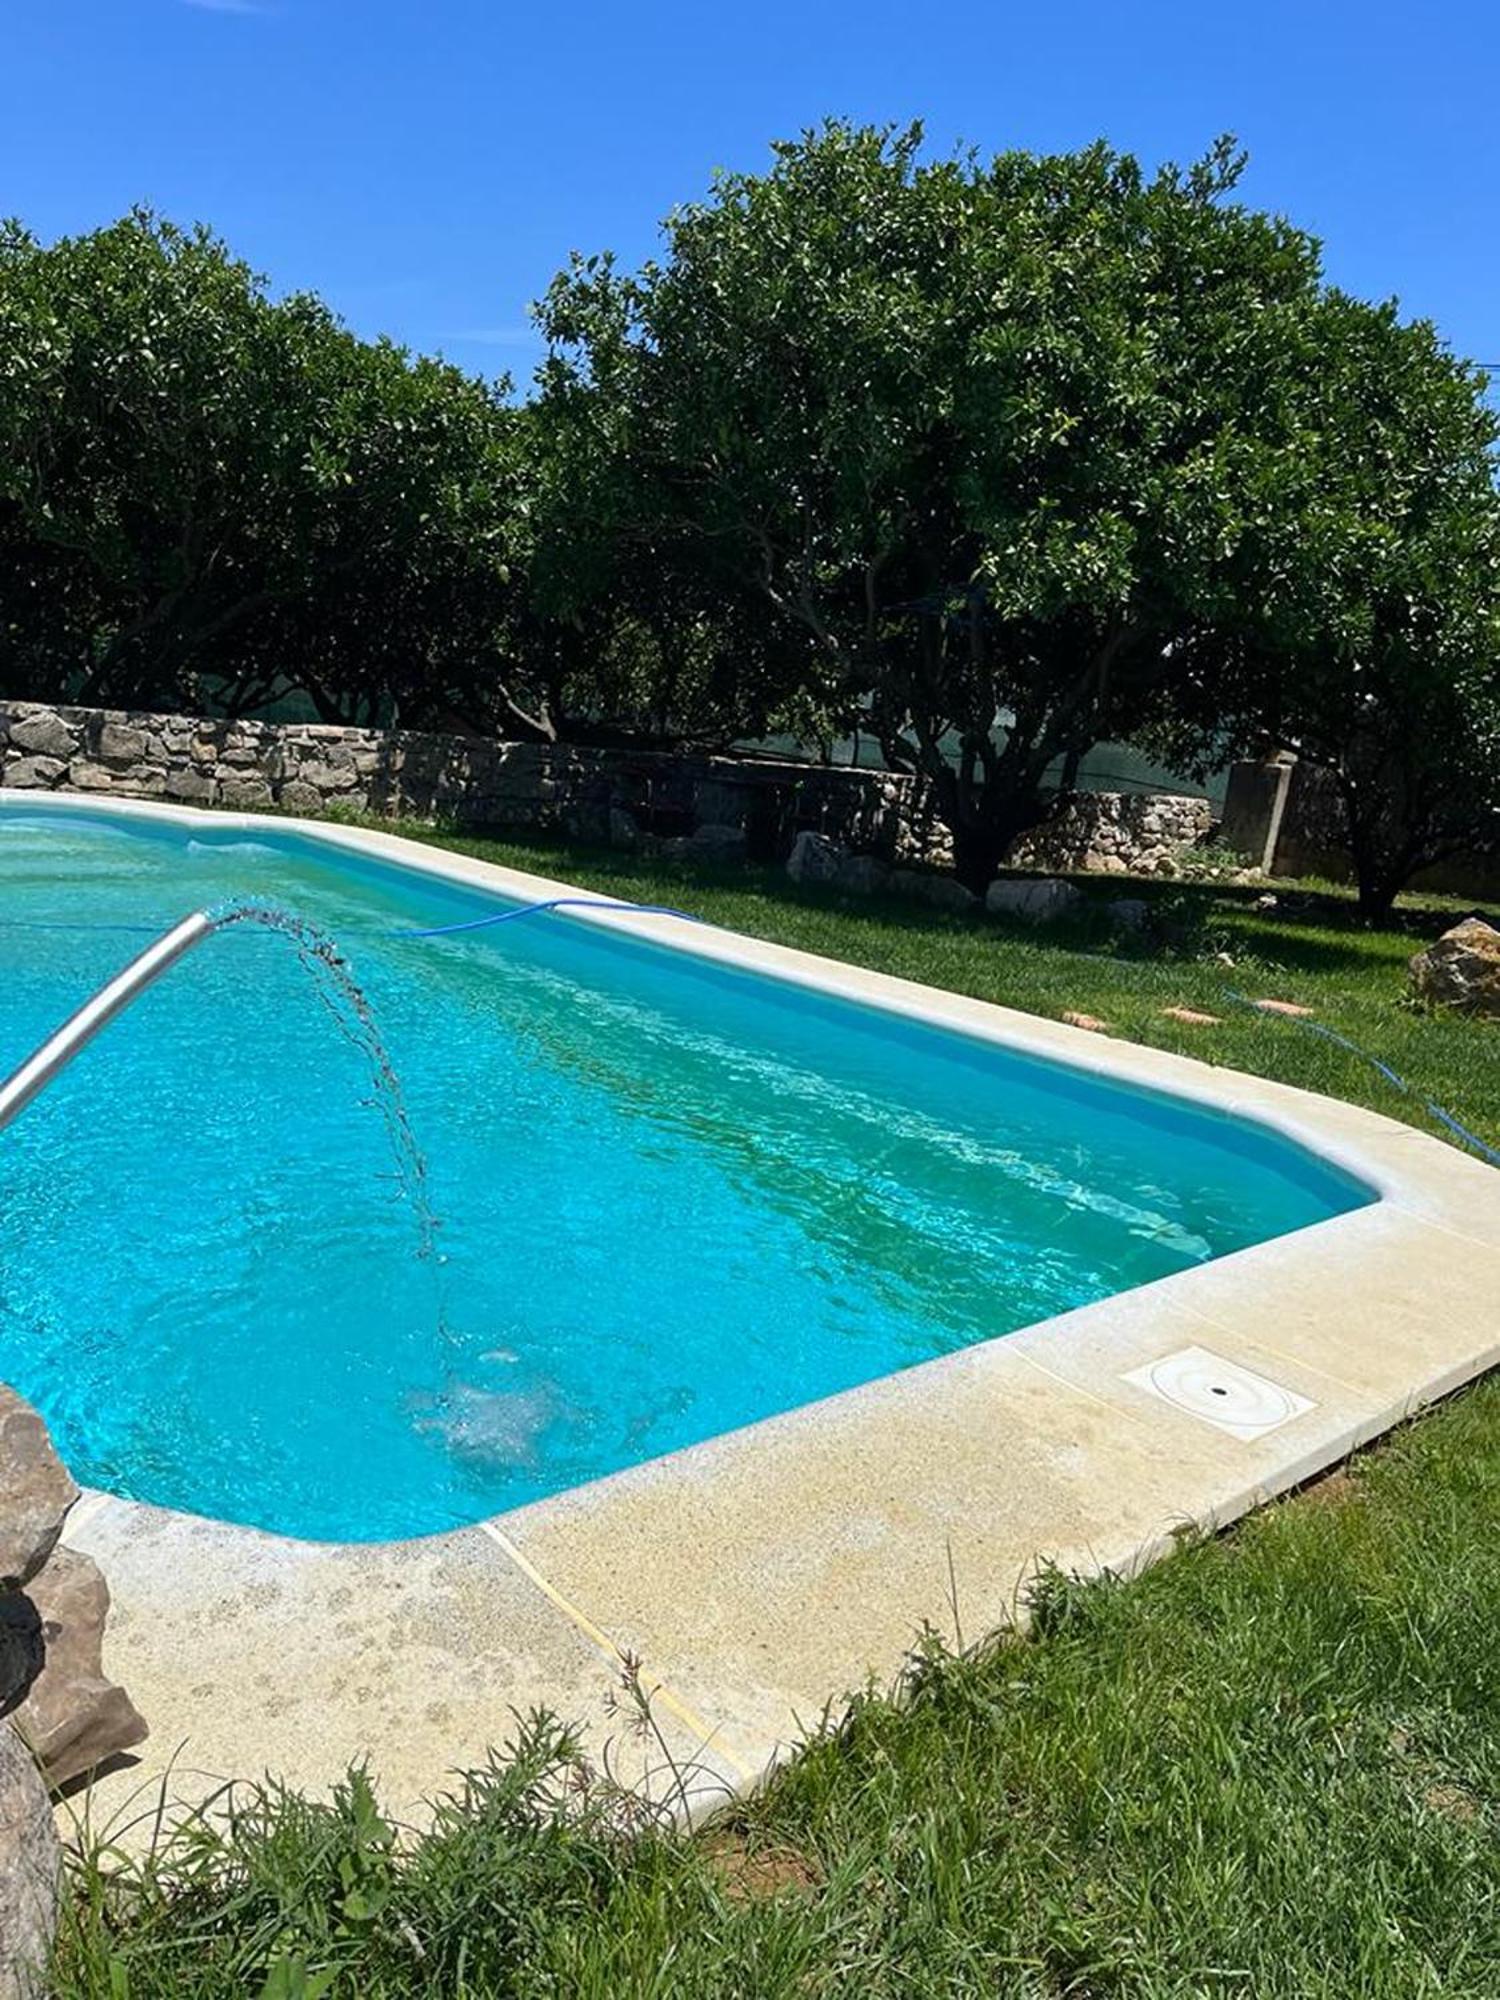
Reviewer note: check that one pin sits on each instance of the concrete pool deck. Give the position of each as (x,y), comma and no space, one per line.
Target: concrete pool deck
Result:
(762,1574)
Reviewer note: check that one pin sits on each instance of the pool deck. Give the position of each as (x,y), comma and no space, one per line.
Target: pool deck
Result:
(760,1576)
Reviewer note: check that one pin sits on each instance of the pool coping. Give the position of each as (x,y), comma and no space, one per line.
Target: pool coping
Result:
(763,1574)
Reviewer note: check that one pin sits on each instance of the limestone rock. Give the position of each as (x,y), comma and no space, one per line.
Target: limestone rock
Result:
(73,1718)
(1461,970)
(1038,899)
(86,776)
(298,797)
(120,745)
(35,1492)
(196,787)
(717,843)
(814,858)
(38,773)
(862,874)
(944,892)
(43,734)
(1129,913)
(246,794)
(624,828)
(30,1872)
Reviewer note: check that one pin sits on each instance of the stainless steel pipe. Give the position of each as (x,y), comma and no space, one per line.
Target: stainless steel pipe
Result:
(76,1033)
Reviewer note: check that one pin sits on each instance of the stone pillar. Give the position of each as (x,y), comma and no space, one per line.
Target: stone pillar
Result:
(1255,807)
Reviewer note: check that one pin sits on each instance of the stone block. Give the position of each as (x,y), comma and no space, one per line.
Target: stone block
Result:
(121,746)
(718,843)
(73,1718)
(34,773)
(814,858)
(192,787)
(244,793)
(44,734)
(1461,971)
(86,776)
(1036,899)
(862,874)
(943,892)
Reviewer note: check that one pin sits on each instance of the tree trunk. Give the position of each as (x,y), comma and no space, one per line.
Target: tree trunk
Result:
(1376,895)
(982,839)
(1381,868)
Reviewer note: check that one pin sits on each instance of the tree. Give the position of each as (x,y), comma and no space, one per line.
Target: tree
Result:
(624,634)
(1366,595)
(207,495)
(983,436)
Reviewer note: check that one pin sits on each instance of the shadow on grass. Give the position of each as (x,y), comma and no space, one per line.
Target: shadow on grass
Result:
(1314,930)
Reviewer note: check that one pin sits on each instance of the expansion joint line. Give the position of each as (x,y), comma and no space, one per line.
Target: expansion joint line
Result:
(615,1654)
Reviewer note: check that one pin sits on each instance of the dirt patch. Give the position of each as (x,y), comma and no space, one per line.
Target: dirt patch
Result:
(1336,1488)
(1452,1802)
(754,1874)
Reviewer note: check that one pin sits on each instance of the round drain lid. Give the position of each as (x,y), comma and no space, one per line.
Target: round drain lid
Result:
(1222,1393)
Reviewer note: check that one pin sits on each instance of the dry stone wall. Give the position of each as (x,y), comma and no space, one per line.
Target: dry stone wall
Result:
(719,806)
(1117,833)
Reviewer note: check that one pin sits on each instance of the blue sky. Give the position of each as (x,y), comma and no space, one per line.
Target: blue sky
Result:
(427,168)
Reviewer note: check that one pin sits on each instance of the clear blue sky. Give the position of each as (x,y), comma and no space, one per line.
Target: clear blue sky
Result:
(427,168)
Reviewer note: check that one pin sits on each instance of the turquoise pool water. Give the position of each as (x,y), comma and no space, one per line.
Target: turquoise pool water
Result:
(672,1198)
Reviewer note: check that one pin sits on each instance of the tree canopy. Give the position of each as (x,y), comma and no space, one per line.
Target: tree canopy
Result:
(1015,449)
(992,460)
(1370,626)
(208,494)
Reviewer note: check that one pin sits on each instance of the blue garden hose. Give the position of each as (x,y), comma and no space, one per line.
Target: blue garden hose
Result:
(1436,1111)
(552,903)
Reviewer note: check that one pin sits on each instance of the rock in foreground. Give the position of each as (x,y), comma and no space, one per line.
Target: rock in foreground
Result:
(53,1605)
(30,1869)
(1039,899)
(1461,970)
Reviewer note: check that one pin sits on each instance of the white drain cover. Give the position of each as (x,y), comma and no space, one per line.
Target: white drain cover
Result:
(1232,1398)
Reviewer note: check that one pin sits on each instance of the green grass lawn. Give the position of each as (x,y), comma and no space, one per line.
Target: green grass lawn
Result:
(1269,1767)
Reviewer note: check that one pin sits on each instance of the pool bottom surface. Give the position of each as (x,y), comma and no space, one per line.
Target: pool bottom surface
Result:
(672,1199)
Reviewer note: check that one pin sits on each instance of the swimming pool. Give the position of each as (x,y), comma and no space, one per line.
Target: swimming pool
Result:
(674,1196)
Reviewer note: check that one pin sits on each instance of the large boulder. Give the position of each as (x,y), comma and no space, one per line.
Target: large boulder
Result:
(1461,970)
(35,1492)
(943,892)
(716,842)
(1039,899)
(30,1872)
(53,1604)
(815,858)
(1129,913)
(73,1718)
(863,874)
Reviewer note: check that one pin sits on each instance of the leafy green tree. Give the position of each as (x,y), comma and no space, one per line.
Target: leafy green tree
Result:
(1365,595)
(228,495)
(626,636)
(983,435)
